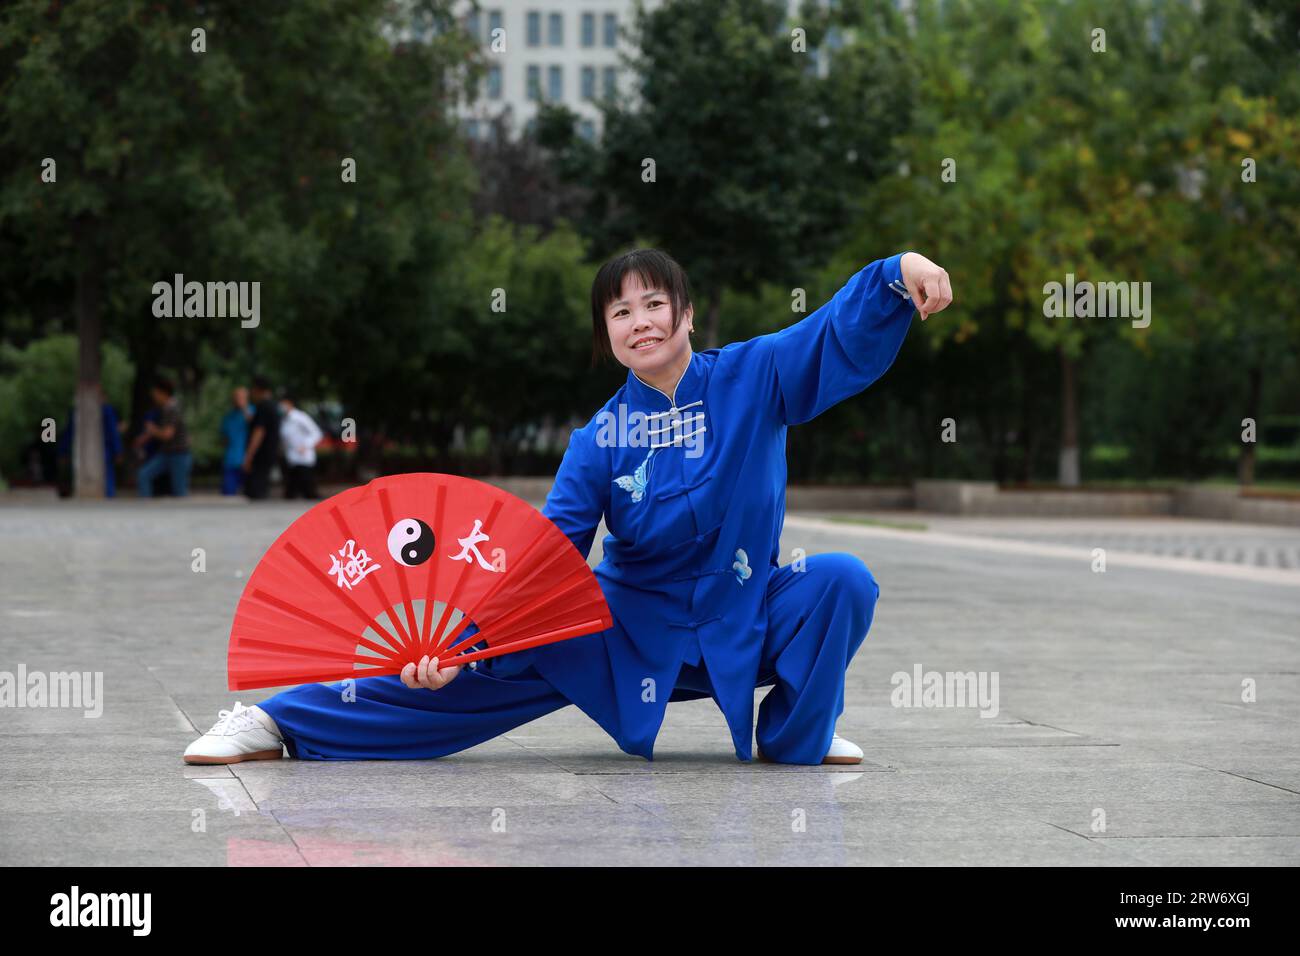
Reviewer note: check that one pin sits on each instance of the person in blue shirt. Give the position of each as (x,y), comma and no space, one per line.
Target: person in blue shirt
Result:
(234,432)
(112,442)
(686,464)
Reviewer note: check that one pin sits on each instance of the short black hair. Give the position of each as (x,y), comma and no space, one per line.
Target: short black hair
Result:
(656,269)
(165,385)
(262,383)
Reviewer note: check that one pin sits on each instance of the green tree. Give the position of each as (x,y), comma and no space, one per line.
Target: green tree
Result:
(1243,209)
(1067,150)
(510,331)
(208,139)
(37,382)
(733,152)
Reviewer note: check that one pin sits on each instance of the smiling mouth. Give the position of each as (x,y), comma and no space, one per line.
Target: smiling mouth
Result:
(645,343)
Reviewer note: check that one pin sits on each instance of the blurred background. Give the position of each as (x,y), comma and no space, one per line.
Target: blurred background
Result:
(422,192)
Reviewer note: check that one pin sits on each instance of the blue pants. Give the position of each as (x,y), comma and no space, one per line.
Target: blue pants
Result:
(817,618)
(232,476)
(177,466)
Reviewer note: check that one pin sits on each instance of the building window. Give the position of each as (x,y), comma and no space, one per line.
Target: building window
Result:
(555,29)
(588,82)
(555,83)
(587,129)
(471,129)
(494,23)
(611,30)
(472,26)
(534,82)
(588,29)
(610,76)
(534,28)
(494,82)
(530,127)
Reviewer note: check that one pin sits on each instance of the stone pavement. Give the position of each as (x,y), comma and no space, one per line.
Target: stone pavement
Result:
(1262,546)
(1118,734)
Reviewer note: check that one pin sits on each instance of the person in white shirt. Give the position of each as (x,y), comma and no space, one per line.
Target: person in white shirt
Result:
(299,435)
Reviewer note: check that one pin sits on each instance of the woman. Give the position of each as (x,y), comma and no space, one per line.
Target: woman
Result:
(686,463)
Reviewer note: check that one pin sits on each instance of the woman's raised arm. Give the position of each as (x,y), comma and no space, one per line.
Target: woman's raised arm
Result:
(849,342)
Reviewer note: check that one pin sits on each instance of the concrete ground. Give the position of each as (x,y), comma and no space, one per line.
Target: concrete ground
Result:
(1120,737)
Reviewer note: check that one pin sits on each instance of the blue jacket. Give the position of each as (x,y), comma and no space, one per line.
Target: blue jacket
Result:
(234,427)
(112,438)
(695,524)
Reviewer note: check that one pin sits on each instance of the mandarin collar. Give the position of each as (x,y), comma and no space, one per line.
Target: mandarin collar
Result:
(689,387)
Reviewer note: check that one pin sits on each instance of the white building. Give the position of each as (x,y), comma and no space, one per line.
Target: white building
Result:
(561,51)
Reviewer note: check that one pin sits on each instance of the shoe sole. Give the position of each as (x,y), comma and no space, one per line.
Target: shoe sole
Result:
(238,758)
(842,761)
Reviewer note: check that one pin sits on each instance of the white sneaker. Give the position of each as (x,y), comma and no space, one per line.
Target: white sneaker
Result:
(843,751)
(245,733)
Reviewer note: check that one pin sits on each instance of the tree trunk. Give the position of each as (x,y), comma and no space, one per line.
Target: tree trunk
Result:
(712,321)
(88,453)
(1068,463)
(1028,433)
(1246,461)
(997,434)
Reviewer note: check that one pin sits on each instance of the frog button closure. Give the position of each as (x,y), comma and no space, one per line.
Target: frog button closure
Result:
(701,574)
(682,490)
(697,538)
(707,620)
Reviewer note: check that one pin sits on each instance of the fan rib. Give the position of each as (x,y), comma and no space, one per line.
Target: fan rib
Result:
(315,653)
(453,598)
(342,595)
(499,624)
(518,581)
(295,611)
(255,679)
(440,498)
(548,637)
(408,612)
(372,579)
(543,621)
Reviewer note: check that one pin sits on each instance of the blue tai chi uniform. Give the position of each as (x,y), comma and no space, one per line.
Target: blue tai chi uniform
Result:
(693,495)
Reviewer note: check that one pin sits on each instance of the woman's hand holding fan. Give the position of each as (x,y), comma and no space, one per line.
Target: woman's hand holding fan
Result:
(428,674)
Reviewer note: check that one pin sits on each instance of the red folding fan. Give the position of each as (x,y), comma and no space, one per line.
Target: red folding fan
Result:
(379,576)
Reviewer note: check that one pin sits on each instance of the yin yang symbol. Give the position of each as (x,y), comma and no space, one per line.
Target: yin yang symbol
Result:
(410,542)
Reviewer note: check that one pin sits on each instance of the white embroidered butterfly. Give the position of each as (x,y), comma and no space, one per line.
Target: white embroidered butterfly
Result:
(741,566)
(636,482)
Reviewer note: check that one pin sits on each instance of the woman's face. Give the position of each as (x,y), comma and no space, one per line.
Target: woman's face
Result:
(646,314)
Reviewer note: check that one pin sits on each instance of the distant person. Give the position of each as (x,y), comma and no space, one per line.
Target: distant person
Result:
(173,455)
(300,435)
(263,441)
(112,446)
(234,431)
(162,484)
